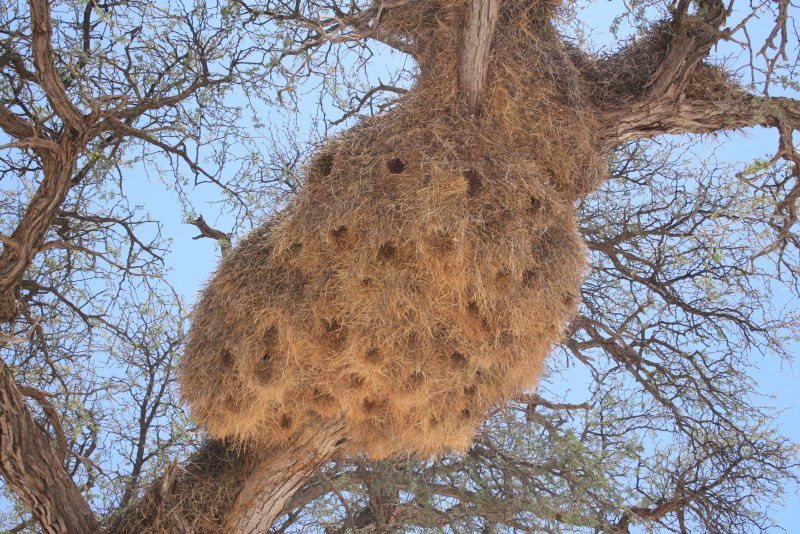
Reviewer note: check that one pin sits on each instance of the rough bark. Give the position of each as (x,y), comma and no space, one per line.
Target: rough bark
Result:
(33,471)
(14,126)
(690,42)
(656,117)
(476,47)
(278,477)
(49,78)
(19,251)
(225,487)
(28,463)
(59,158)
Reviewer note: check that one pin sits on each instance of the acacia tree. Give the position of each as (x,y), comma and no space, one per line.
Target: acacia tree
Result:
(685,256)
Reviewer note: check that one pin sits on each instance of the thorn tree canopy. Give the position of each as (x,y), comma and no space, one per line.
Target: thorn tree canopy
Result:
(456,186)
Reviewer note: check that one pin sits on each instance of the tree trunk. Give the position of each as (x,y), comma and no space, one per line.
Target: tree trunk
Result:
(278,477)
(476,47)
(225,487)
(32,470)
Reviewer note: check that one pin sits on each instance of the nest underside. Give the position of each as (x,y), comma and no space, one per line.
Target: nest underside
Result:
(403,291)
(428,266)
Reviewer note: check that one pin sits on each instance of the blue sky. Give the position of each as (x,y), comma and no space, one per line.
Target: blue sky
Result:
(777,379)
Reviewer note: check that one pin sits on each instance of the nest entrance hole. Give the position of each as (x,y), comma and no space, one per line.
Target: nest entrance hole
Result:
(474,182)
(387,251)
(325,165)
(528,277)
(372,406)
(458,359)
(396,166)
(266,368)
(373,355)
(415,380)
(335,332)
(286,421)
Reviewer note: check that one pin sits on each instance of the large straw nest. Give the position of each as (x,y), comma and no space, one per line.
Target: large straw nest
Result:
(426,269)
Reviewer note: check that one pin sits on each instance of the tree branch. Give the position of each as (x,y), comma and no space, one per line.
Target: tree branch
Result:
(229,487)
(43,54)
(277,479)
(221,237)
(52,416)
(14,126)
(124,129)
(32,228)
(690,40)
(31,468)
(738,110)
